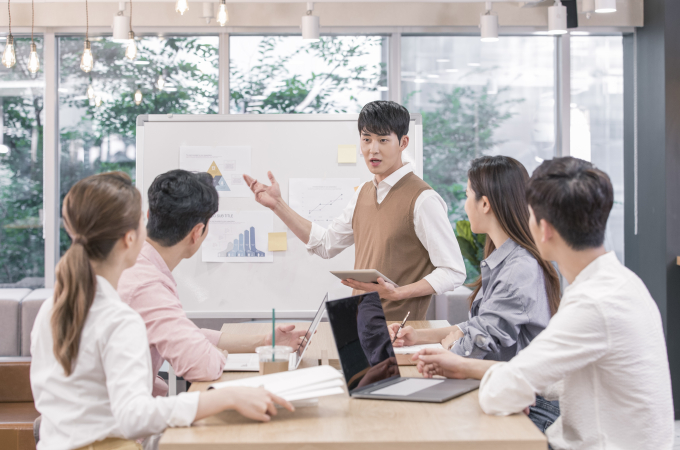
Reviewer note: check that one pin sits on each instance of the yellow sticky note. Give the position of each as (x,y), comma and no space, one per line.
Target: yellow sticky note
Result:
(347,154)
(355,188)
(278,242)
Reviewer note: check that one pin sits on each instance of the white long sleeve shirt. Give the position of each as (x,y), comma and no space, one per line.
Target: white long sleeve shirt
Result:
(108,394)
(432,226)
(604,355)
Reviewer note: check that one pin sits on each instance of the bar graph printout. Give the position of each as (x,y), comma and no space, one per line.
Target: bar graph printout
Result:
(321,200)
(238,237)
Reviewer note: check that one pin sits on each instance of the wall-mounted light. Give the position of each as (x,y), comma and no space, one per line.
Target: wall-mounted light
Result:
(489,25)
(557,18)
(9,57)
(222,14)
(138,95)
(121,25)
(605,6)
(87,60)
(182,6)
(310,24)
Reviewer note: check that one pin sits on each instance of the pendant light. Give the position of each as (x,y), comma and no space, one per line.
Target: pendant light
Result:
(160,83)
(489,25)
(121,25)
(557,18)
(223,15)
(9,58)
(131,50)
(182,6)
(138,95)
(310,24)
(90,90)
(33,60)
(87,60)
(97,101)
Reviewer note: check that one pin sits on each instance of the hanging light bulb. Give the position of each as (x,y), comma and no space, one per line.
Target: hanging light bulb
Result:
(138,95)
(160,84)
(131,50)
(9,58)
(182,6)
(33,60)
(97,101)
(90,91)
(222,15)
(87,60)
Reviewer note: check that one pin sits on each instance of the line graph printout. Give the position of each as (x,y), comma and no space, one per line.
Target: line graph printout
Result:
(226,165)
(238,236)
(321,200)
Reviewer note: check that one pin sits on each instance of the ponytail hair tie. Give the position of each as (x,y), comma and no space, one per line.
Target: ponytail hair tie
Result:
(79,239)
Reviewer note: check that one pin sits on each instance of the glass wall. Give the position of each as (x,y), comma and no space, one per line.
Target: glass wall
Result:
(97,125)
(597,117)
(284,74)
(478,99)
(22,248)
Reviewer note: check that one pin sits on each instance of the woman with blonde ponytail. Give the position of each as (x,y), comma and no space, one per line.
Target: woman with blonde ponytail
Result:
(91,368)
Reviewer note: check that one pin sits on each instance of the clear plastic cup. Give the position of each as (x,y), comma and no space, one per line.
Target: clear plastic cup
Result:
(273,359)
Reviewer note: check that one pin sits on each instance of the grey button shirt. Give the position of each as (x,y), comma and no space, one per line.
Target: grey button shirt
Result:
(510,309)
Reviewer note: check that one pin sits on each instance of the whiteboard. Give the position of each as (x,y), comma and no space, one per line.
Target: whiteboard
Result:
(291,146)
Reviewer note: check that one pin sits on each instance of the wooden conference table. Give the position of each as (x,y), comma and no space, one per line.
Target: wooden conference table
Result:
(339,422)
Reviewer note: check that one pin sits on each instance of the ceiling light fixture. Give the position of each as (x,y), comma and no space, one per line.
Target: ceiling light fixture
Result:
(605,6)
(138,95)
(33,60)
(121,26)
(557,18)
(9,57)
(208,12)
(588,8)
(131,50)
(222,15)
(310,24)
(87,60)
(489,25)
(182,6)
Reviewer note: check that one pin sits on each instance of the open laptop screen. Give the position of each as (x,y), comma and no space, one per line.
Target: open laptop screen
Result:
(362,338)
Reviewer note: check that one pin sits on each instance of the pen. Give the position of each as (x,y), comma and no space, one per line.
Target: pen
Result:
(400,327)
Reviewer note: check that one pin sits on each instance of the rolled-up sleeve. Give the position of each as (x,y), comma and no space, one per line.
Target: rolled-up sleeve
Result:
(190,351)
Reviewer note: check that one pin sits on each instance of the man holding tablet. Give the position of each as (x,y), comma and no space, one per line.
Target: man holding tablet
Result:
(398,223)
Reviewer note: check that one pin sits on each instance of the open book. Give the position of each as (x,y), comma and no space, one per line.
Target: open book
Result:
(301,384)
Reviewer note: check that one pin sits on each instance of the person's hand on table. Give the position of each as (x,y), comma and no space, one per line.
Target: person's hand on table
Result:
(451,338)
(386,290)
(268,196)
(287,335)
(406,337)
(256,403)
(435,361)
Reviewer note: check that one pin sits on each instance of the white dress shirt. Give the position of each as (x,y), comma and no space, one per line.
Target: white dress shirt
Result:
(108,394)
(432,226)
(604,355)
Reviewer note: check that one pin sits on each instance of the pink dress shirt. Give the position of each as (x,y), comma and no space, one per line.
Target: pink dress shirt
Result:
(150,289)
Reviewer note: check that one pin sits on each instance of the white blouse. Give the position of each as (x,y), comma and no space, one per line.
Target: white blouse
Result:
(108,394)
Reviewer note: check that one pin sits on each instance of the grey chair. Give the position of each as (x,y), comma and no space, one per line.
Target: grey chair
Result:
(29,310)
(10,319)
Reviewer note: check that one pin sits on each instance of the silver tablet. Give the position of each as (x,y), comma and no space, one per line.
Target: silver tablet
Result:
(363,275)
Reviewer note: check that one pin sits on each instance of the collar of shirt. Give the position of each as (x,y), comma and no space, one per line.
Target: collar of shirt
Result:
(499,255)
(104,288)
(155,258)
(598,264)
(385,185)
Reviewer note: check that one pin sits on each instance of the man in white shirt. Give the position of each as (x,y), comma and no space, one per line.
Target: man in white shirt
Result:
(420,254)
(603,355)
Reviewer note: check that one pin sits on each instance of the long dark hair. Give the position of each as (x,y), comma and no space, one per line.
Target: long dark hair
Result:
(97,212)
(503,180)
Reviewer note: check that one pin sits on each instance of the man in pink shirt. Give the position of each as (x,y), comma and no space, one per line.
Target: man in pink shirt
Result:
(180,205)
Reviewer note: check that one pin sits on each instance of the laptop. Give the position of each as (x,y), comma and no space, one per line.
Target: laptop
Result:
(296,356)
(368,362)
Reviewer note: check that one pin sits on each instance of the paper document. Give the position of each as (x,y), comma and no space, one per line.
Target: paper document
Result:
(226,165)
(347,154)
(239,236)
(242,362)
(301,384)
(320,200)
(414,348)
(278,242)
(407,387)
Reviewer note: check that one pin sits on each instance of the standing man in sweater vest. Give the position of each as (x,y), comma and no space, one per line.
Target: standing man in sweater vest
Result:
(398,223)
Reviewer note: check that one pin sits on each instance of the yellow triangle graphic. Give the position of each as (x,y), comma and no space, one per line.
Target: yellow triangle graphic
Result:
(214,171)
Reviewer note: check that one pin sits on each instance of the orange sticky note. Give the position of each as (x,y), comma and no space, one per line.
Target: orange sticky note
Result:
(355,188)
(278,242)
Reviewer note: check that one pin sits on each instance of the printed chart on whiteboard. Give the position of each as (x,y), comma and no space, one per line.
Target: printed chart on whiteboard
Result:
(321,200)
(226,165)
(239,236)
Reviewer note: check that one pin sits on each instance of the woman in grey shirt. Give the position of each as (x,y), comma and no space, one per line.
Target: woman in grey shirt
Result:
(518,291)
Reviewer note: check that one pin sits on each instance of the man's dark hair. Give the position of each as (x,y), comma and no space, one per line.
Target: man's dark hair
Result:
(178,201)
(383,118)
(575,197)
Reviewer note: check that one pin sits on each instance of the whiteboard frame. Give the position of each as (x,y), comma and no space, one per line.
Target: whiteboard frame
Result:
(178,118)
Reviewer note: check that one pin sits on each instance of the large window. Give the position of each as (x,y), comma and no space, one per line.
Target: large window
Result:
(21,171)
(277,74)
(98,134)
(597,117)
(479,99)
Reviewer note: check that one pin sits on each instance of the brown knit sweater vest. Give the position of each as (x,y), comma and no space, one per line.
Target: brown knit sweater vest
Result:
(385,240)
